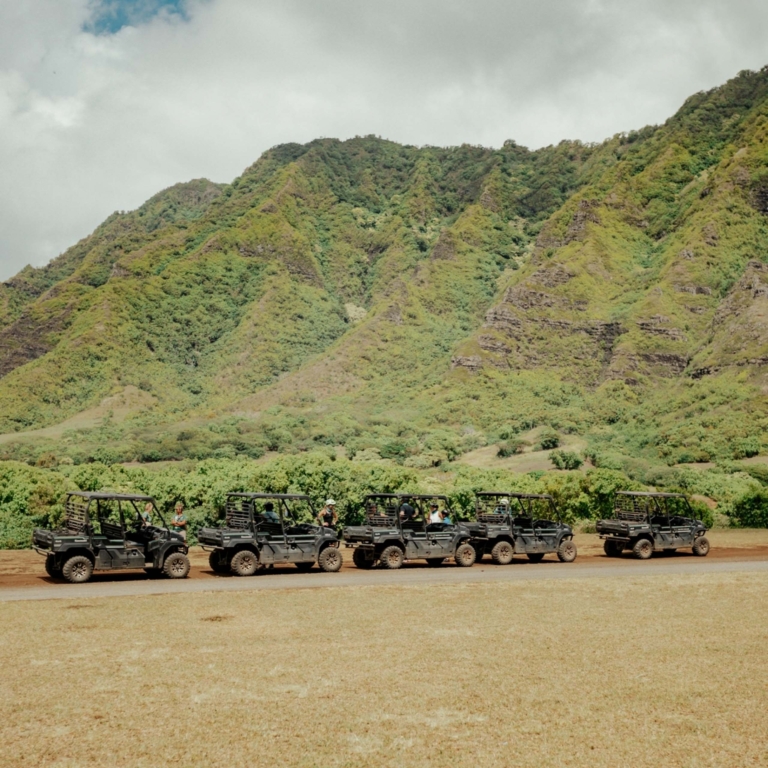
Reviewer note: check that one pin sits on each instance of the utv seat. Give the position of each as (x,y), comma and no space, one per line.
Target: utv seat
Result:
(381,521)
(111,530)
(491,517)
(270,527)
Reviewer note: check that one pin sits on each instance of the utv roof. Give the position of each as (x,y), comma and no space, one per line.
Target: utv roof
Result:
(406,496)
(652,493)
(294,496)
(107,495)
(514,495)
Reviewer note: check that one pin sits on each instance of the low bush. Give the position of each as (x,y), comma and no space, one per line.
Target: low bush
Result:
(566,459)
(511,446)
(751,510)
(548,439)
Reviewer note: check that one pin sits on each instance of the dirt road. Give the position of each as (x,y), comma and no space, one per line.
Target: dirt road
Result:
(22,576)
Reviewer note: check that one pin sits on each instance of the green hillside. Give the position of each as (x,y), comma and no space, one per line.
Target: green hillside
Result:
(415,304)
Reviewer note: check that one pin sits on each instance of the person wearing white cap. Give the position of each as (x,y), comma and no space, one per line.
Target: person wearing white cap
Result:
(327,516)
(503,508)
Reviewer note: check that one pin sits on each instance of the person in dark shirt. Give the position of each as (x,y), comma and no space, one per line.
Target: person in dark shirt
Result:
(327,516)
(407,512)
(270,514)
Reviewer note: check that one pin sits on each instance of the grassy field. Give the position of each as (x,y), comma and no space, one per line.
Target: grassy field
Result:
(638,671)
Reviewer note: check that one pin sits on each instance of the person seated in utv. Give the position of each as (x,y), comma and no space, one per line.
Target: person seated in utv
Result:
(407,512)
(146,515)
(503,507)
(269,513)
(435,516)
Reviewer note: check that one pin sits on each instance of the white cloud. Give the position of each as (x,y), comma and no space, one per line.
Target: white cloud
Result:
(90,124)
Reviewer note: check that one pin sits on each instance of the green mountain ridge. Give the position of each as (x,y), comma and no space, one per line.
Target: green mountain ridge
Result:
(415,303)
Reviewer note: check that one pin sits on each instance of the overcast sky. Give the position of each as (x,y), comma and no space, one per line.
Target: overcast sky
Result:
(105,102)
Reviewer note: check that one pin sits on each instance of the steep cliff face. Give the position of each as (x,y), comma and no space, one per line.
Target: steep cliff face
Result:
(627,279)
(208,293)
(375,295)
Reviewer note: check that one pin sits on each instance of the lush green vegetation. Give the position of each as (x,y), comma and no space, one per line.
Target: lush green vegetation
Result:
(380,302)
(34,496)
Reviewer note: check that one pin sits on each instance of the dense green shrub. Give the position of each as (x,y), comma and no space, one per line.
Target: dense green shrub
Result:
(511,446)
(548,439)
(566,459)
(751,510)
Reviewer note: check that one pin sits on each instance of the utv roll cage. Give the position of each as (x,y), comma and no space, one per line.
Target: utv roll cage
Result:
(392,503)
(79,511)
(651,506)
(525,506)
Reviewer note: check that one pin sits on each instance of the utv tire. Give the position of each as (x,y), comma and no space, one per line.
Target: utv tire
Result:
(330,560)
(218,562)
(701,546)
(465,555)
(392,558)
(566,552)
(643,549)
(613,548)
(244,563)
(361,561)
(535,557)
(435,562)
(502,553)
(305,566)
(77,569)
(50,567)
(176,566)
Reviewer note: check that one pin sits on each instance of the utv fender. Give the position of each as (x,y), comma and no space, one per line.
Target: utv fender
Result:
(240,547)
(389,543)
(73,552)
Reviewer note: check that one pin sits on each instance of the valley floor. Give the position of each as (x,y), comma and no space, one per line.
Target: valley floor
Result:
(656,669)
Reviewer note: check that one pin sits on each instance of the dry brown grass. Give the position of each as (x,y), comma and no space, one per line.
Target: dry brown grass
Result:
(652,670)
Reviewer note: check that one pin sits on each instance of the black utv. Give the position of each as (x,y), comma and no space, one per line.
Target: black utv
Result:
(509,524)
(400,527)
(262,529)
(647,522)
(111,531)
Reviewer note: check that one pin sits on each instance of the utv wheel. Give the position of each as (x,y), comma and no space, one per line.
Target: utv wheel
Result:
(244,563)
(361,561)
(176,566)
(535,557)
(330,560)
(612,548)
(566,552)
(435,562)
(77,569)
(502,553)
(304,566)
(391,558)
(218,562)
(643,549)
(50,567)
(701,546)
(465,555)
